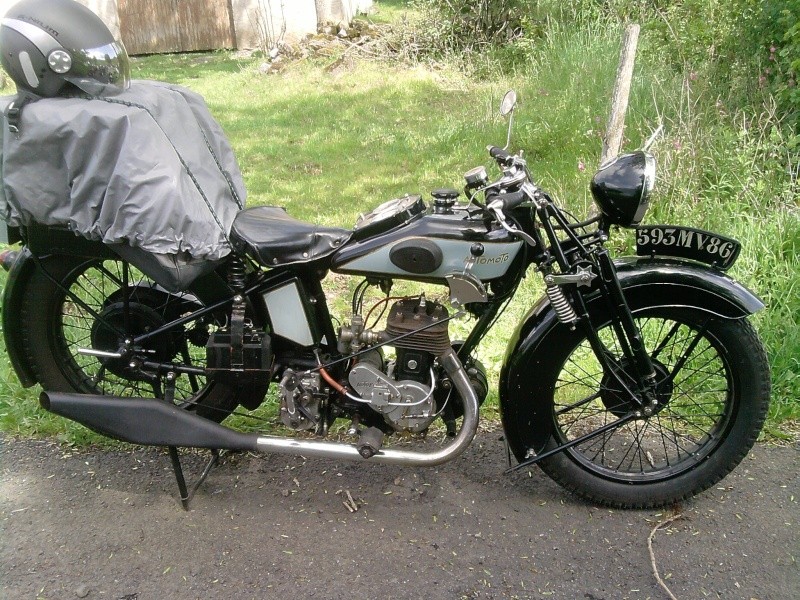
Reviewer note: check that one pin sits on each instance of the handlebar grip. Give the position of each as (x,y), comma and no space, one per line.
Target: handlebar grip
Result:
(512,200)
(498,154)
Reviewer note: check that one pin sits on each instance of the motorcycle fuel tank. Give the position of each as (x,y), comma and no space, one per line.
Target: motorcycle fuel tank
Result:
(430,247)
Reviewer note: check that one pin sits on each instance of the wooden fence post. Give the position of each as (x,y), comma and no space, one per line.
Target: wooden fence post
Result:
(612,140)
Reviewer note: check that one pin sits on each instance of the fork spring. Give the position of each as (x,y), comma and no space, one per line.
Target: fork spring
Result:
(564,311)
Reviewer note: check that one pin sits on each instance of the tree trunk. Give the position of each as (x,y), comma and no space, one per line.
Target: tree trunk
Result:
(330,11)
(622,89)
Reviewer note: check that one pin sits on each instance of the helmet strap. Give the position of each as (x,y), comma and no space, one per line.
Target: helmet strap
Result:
(13,112)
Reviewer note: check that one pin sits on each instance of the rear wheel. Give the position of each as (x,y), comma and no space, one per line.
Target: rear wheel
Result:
(107,302)
(713,392)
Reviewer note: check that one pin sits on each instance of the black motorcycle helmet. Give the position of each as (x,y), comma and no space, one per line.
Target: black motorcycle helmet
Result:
(49,46)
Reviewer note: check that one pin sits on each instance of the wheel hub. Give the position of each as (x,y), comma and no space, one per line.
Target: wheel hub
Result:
(618,402)
(107,334)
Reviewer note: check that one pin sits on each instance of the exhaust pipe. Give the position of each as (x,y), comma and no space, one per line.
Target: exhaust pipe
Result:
(390,456)
(152,422)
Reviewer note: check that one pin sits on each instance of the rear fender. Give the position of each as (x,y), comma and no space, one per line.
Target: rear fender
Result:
(13,298)
(44,242)
(647,283)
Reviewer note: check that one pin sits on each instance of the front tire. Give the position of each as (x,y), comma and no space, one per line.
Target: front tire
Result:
(713,395)
(56,324)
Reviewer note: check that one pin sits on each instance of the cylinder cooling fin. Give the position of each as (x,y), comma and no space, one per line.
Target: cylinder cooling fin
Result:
(409,315)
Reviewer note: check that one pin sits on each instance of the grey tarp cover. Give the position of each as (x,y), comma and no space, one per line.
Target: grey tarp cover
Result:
(148,169)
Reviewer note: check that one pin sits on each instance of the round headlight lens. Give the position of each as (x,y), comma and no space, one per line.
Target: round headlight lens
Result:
(649,176)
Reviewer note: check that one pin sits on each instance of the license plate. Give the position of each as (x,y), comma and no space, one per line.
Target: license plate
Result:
(686,242)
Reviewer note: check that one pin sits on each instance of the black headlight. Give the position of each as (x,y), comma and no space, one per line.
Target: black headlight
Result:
(622,186)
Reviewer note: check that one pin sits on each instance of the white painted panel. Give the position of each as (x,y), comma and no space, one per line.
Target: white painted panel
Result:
(288,315)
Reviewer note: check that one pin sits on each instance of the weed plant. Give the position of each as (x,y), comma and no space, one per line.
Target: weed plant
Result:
(332,139)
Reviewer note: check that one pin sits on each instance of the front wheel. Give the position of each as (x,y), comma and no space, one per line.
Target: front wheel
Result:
(713,391)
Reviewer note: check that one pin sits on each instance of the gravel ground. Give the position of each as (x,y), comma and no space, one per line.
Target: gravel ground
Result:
(108,524)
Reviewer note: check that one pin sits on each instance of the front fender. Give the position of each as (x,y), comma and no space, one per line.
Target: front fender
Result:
(666,282)
(647,282)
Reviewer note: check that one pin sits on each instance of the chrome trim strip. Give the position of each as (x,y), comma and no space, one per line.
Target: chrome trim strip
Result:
(45,42)
(28,70)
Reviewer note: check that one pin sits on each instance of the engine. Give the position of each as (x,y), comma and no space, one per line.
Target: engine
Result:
(402,391)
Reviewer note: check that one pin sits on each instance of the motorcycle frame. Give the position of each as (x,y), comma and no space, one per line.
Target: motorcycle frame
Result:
(316,308)
(162,423)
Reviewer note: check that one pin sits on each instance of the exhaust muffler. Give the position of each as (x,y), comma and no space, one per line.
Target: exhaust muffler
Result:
(145,421)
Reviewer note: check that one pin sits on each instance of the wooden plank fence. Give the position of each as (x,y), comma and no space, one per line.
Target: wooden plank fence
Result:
(153,26)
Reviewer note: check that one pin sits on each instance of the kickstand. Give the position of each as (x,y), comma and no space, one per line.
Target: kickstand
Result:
(187,495)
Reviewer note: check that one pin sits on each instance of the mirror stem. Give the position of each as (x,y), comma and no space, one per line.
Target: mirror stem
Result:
(510,124)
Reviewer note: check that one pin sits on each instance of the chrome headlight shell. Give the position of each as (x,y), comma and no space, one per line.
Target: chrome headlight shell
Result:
(622,187)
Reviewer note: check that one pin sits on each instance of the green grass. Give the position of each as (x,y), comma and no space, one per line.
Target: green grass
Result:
(389,11)
(330,141)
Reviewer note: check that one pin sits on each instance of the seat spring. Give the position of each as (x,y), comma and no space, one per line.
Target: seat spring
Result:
(237,274)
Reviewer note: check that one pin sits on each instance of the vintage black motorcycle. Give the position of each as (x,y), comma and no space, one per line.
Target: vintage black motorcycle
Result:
(634,382)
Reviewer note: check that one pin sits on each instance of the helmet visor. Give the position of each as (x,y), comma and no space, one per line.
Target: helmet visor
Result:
(101,71)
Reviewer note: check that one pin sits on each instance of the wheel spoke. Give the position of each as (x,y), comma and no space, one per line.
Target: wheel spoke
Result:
(694,401)
(578,404)
(699,335)
(88,318)
(666,339)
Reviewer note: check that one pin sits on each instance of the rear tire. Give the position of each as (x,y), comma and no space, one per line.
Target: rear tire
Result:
(54,326)
(713,398)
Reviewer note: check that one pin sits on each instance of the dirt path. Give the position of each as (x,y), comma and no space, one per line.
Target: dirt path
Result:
(107,524)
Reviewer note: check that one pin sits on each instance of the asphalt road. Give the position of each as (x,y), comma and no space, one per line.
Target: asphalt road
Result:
(108,524)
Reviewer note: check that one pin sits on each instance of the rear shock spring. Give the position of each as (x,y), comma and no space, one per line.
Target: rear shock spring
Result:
(237,274)
(564,311)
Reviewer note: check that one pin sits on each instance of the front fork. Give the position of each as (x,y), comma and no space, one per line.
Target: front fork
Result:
(641,391)
(643,395)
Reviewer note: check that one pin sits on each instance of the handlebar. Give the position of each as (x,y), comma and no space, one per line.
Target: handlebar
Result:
(505,202)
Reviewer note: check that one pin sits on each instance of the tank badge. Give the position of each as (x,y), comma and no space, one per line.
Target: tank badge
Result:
(488,260)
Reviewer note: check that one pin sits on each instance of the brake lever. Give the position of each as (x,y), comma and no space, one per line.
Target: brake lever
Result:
(496,207)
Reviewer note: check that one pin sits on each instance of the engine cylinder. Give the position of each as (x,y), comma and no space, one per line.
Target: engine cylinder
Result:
(409,315)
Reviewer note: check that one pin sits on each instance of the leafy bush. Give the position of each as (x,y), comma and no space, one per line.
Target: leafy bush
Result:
(480,36)
(453,26)
(749,49)
(776,37)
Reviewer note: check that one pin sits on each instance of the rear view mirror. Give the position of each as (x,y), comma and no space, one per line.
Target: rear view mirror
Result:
(508,103)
